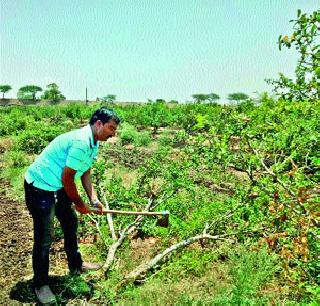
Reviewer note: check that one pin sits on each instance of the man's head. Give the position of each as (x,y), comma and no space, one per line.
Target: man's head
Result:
(104,123)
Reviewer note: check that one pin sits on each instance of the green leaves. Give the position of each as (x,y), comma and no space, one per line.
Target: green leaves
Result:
(305,40)
(30,142)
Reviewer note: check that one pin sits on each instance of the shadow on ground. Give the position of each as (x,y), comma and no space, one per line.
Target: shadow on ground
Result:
(65,288)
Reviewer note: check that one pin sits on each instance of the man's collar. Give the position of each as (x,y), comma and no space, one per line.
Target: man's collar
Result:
(90,134)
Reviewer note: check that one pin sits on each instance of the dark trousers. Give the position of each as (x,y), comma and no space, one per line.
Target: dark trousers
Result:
(43,206)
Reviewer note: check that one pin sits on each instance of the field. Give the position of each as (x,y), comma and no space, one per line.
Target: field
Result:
(241,183)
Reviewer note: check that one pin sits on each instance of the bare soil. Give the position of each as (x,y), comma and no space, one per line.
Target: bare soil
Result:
(15,247)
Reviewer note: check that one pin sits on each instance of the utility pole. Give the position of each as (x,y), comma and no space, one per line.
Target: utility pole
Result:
(86,96)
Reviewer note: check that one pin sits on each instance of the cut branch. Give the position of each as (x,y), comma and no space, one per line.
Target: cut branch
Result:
(144,268)
(127,231)
(152,203)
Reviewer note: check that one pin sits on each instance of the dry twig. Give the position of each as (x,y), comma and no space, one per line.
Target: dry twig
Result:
(109,219)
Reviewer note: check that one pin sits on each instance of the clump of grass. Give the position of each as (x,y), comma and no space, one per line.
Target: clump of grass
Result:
(17,159)
(249,272)
(165,141)
(201,277)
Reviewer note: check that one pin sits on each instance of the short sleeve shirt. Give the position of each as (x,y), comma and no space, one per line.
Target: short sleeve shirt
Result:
(75,149)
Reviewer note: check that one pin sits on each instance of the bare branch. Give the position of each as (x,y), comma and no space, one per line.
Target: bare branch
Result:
(98,228)
(144,268)
(125,233)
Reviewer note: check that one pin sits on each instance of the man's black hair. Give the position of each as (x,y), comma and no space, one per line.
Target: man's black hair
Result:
(105,115)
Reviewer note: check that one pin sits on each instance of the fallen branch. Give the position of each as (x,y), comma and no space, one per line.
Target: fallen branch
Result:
(113,249)
(144,268)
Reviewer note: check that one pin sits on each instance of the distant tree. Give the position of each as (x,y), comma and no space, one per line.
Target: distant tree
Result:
(238,97)
(109,98)
(199,98)
(53,93)
(213,97)
(4,89)
(28,91)
(21,95)
(173,102)
(160,101)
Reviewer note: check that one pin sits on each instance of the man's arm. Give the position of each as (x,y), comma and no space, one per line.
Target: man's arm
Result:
(71,190)
(88,187)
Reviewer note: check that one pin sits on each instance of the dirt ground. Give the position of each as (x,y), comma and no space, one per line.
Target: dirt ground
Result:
(15,247)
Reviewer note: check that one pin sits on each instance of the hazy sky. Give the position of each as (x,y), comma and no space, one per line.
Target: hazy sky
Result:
(146,49)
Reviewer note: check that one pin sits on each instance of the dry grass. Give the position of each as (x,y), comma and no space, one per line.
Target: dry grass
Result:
(6,144)
(127,176)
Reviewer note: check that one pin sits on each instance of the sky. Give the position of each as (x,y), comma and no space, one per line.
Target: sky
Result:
(146,49)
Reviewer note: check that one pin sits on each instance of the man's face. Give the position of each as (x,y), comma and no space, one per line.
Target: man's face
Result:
(107,130)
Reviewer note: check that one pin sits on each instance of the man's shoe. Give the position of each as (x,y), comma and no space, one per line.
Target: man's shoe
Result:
(45,295)
(86,266)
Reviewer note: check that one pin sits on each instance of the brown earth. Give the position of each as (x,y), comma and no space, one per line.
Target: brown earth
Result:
(15,247)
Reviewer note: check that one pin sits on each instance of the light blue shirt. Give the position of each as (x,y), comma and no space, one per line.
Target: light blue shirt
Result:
(75,149)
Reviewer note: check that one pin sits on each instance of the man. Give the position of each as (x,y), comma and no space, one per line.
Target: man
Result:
(50,190)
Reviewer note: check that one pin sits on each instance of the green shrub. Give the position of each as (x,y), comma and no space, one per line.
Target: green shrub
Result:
(35,140)
(165,141)
(11,125)
(142,139)
(73,111)
(129,134)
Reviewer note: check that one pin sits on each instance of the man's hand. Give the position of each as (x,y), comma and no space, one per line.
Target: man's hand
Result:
(83,209)
(98,207)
